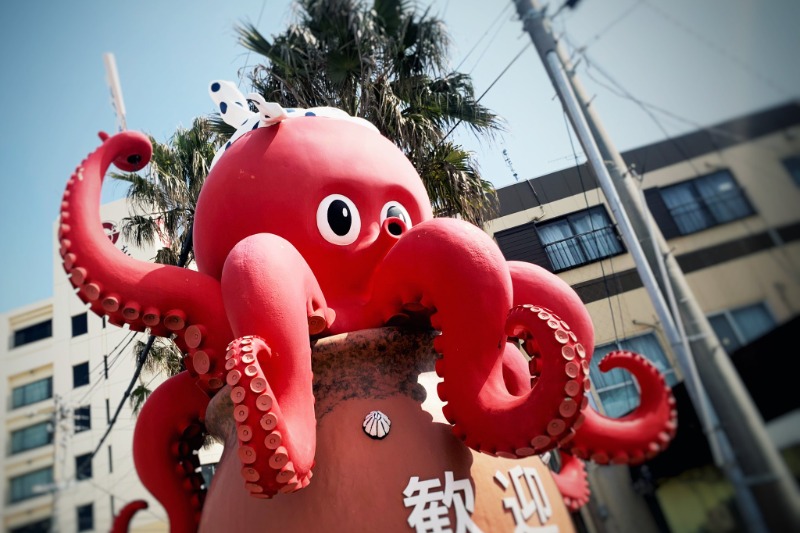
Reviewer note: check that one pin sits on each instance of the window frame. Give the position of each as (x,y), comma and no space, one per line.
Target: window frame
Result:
(80,375)
(26,401)
(80,324)
(81,521)
(577,241)
(81,473)
(83,413)
(47,425)
(705,208)
(742,339)
(32,333)
(792,166)
(27,495)
(627,381)
(43,525)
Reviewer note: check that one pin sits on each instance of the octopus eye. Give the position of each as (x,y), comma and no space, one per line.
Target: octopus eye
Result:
(338,220)
(395,209)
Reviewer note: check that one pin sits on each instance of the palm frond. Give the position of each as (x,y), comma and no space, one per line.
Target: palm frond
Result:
(383,61)
(138,397)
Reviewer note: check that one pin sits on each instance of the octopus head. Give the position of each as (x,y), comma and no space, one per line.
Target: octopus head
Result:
(333,186)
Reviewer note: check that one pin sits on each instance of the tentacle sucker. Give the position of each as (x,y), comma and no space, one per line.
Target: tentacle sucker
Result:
(165,299)
(637,436)
(454,268)
(272,298)
(160,449)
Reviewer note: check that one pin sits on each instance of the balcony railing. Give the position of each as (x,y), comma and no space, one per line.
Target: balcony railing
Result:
(583,248)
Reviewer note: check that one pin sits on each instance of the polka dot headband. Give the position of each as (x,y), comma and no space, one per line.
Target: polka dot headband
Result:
(234,109)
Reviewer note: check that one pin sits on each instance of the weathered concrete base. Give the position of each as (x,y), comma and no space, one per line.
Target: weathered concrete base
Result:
(359,482)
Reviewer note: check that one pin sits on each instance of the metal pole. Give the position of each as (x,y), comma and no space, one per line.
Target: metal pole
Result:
(765,475)
(112,78)
(721,448)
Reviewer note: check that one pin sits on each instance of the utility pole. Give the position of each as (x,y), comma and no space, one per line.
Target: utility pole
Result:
(765,490)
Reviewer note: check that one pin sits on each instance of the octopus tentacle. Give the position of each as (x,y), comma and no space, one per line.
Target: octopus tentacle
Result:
(273,301)
(572,481)
(169,431)
(637,436)
(261,424)
(534,285)
(433,263)
(123,519)
(166,299)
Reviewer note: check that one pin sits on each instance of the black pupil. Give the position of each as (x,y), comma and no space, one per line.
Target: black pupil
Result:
(396,212)
(339,218)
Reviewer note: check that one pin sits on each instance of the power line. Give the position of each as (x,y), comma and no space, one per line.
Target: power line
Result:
(109,365)
(183,258)
(474,46)
(247,57)
(621,92)
(722,51)
(622,16)
(490,86)
(123,500)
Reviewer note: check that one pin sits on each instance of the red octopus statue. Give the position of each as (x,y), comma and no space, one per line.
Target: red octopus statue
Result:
(311,226)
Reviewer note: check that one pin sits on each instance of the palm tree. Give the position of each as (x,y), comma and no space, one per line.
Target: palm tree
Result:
(384,62)
(163,200)
(162,203)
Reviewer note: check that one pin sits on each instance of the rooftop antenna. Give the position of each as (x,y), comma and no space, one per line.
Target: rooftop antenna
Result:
(112,78)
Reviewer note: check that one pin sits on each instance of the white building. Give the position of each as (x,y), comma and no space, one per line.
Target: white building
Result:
(63,373)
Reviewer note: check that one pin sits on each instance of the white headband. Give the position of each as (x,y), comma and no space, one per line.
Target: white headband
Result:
(234,109)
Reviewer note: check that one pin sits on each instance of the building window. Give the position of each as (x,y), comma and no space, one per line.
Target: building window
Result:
(80,375)
(83,418)
(579,238)
(80,324)
(83,466)
(705,202)
(86,517)
(792,164)
(40,526)
(31,484)
(31,437)
(617,389)
(208,470)
(738,327)
(32,392)
(33,333)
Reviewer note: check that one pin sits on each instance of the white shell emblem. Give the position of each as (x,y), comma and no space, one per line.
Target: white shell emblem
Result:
(376,425)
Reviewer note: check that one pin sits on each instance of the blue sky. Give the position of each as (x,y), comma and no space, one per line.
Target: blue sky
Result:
(696,62)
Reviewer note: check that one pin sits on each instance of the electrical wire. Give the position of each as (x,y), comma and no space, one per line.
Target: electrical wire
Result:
(488,45)
(619,18)
(98,366)
(722,51)
(488,88)
(621,92)
(778,254)
(97,382)
(474,46)
(247,57)
(126,501)
(631,401)
(626,94)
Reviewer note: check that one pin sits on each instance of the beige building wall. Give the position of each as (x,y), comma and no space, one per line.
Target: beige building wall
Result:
(114,481)
(771,275)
